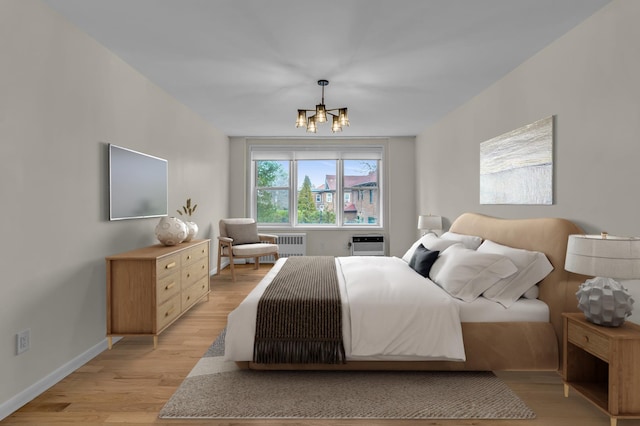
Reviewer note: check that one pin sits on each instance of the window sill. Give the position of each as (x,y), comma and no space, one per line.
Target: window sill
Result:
(287,228)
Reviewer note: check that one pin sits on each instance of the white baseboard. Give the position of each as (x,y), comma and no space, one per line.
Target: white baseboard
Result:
(223,264)
(17,401)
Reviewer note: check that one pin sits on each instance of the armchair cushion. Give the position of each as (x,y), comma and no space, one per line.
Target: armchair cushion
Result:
(243,233)
(260,249)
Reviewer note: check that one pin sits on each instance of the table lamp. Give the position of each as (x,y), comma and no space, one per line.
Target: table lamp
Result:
(428,223)
(603,300)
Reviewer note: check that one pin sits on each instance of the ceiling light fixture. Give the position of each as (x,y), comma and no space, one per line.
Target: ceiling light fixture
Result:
(339,119)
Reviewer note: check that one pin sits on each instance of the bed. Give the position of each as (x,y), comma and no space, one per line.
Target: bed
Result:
(526,336)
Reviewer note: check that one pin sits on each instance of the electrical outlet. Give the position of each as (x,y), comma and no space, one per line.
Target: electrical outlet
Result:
(23,341)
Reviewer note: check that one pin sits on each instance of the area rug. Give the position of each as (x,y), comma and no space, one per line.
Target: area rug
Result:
(217,389)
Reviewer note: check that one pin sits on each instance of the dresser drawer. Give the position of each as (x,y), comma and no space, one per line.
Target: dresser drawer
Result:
(194,272)
(167,287)
(167,265)
(168,311)
(193,254)
(193,293)
(588,340)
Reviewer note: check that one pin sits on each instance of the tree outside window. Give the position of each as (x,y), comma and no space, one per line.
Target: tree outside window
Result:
(313,175)
(272,198)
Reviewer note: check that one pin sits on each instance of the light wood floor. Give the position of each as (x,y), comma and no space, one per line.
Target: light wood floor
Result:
(130,383)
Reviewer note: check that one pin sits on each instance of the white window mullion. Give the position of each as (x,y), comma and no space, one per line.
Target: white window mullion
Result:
(293,182)
(339,197)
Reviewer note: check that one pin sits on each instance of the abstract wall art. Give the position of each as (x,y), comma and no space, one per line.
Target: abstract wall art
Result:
(517,167)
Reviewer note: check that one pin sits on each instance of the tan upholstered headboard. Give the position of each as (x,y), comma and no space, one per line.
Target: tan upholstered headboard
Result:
(546,235)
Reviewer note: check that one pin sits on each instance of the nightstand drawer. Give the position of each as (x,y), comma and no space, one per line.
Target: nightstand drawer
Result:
(591,342)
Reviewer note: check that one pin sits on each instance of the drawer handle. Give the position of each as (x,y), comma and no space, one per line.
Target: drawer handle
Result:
(169,312)
(189,257)
(188,275)
(202,267)
(202,251)
(188,297)
(170,265)
(168,286)
(586,339)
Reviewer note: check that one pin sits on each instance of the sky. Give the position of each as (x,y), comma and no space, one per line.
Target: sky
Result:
(318,169)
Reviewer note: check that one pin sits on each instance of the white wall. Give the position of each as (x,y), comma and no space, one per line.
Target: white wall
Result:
(589,80)
(63,98)
(399,191)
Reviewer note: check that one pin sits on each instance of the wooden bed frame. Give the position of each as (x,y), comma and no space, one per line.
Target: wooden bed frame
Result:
(501,345)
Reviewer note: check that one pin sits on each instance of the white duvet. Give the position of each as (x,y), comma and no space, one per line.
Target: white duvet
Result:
(389,313)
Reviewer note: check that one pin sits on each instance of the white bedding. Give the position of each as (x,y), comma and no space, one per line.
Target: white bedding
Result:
(393,313)
(407,326)
(485,310)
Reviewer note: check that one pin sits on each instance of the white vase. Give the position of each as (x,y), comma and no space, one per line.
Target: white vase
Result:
(192,230)
(604,301)
(171,231)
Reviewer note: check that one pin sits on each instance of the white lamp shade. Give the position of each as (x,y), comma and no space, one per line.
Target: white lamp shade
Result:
(612,257)
(429,222)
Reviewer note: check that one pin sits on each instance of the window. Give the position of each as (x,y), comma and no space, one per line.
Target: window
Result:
(359,176)
(272,191)
(312,178)
(296,186)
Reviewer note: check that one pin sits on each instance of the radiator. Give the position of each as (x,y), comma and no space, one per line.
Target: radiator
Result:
(367,245)
(289,245)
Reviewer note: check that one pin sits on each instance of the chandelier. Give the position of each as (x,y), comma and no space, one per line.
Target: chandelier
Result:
(339,115)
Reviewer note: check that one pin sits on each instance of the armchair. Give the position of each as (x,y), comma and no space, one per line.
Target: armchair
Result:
(239,239)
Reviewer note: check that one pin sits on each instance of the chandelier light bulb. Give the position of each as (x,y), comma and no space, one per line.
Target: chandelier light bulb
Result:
(311,125)
(302,118)
(335,125)
(343,117)
(320,115)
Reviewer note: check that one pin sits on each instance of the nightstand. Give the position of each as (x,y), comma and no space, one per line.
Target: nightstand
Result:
(603,365)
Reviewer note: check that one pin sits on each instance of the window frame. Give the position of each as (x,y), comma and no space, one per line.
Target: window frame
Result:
(294,153)
(256,188)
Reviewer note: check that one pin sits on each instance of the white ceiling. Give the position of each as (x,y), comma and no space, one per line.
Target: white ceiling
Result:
(246,66)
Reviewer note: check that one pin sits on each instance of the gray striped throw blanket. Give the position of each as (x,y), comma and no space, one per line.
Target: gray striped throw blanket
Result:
(299,318)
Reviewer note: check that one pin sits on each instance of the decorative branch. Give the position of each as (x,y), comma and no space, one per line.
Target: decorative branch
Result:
(187,210)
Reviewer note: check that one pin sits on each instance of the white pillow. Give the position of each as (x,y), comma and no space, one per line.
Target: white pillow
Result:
(430,242)
(532,267)
(469,241)
(532,293)
(466,273)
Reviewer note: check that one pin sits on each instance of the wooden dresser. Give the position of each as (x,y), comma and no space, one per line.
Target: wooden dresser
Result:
(149,288)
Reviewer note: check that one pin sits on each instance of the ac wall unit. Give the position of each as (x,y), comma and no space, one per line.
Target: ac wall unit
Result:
(367,245)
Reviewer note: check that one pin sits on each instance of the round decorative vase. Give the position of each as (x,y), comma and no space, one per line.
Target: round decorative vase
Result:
(171,231)
(192,230)
(604,301)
